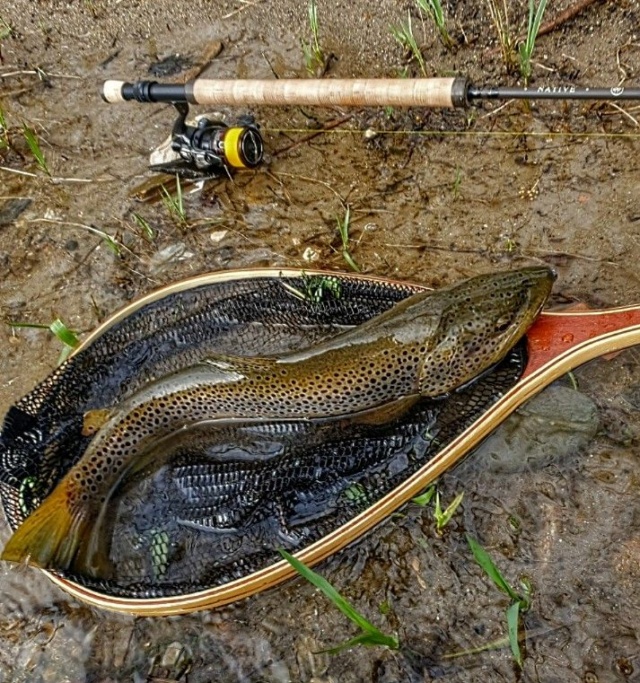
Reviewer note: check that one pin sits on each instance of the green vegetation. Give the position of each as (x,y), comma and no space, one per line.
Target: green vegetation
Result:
(572,380)
(356,493)
(313,55)
(343,230)
(434,9)
(500,18)
(144,226)
(442,517)
(425,498)
(525,49)
(68,338)
(457,182)
(28,495)
(403,34)
(314,288)
(520,602)
(4,130)
(32,141)
(174,205)
(5,29)
(369,636)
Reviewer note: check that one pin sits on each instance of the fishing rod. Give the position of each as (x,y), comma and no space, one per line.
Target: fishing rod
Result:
(437,93)
(212,148)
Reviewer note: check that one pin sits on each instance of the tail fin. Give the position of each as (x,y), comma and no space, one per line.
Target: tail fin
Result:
(51,536)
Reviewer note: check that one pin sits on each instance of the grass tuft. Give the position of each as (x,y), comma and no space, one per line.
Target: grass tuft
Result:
(433,8)
(314,59)
(174,204)
(403,34)
(316,288)
(520,602)
(369,635)
(500,18)
(442,517)
(525,49)
(144,226)
(343,230)
(32,141)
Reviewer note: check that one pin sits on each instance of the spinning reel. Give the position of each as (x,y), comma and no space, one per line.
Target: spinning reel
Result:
(210,148)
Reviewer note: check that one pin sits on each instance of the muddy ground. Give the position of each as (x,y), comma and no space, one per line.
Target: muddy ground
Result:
(434,197)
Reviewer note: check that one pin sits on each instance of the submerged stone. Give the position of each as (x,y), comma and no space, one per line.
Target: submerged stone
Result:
(551,426)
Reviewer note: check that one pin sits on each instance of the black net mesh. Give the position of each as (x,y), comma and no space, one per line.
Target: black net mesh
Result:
(219,502)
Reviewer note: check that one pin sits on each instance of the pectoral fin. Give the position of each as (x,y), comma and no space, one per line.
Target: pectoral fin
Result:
(385,413)
(92,420)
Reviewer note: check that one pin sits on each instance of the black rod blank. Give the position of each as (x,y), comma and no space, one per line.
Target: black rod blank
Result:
(564,92)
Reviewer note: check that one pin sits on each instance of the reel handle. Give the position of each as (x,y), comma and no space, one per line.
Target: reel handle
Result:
(446,93)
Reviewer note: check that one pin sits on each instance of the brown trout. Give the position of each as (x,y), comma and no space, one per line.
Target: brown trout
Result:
(426,346)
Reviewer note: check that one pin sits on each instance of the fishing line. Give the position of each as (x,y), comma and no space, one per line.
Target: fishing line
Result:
(437,133)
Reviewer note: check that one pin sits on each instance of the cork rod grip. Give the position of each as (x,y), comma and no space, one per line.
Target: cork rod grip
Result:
(422,92)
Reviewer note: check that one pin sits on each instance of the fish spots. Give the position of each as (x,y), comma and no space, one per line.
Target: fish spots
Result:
(431,343)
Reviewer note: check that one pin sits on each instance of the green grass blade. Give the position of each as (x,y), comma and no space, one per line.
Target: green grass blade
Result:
(374,635)
(321,583)
(64,334)
(535,19)
(4,135)
(179,201)
(502,642)
(513,622)
(445,517)
(343,230)
(484,560)
(525,49)
(425,498)
(346,255)
(403,34)
(34,146)
(33,326)
(366,639)
(57,328)
(313,55)
(174,205)
(143,224)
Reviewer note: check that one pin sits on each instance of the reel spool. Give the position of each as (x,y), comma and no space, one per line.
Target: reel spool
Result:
(210,148)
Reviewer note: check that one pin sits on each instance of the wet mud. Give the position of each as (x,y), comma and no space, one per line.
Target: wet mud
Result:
(433,197)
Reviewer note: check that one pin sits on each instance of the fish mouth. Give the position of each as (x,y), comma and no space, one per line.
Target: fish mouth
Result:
(542,279)
(536,283)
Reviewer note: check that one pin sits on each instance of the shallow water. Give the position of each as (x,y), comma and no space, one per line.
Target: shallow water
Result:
(430,208)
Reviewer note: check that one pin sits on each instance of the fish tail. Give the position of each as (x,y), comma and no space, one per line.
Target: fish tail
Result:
(52,534)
